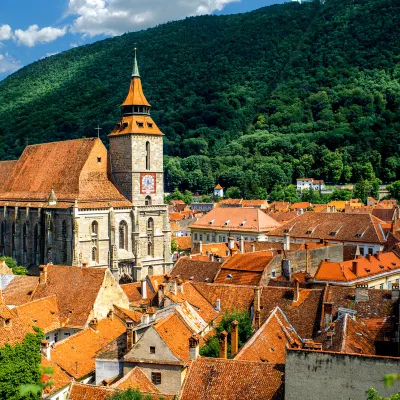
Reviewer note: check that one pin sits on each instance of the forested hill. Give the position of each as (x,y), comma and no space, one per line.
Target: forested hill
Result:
(249,100)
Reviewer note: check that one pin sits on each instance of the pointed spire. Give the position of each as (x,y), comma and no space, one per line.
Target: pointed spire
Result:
(135,72)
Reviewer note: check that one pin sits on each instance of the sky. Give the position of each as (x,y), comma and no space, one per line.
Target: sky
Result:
(34,29)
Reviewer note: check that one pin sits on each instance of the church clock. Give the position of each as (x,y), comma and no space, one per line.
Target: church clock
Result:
(147,183)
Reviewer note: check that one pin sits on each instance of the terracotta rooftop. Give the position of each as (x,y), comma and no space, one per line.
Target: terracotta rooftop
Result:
(76,290)
(361,268)
(362,228)
(72,168)
(238,219)
(347,335)
(12,328)
(183,242)
(135,95)
(42,313)
(6,168)
(304,314)
(76,354)
(175,216)
(134,293)
(136,379)
(244,269)
(218,187)
(232,380)
(58,378)
(196,271)
(123,313)
(280,205)
(302,205)
(268,344)
(283,216)
(20,289)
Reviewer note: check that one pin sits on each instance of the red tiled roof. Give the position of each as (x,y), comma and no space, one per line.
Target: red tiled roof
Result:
(361,268)
(136,379)
(76,355)
(175,216)
(183,242)
(70,167)
(6,168)
(363,228)
(20,289)
(196,271)
(218,187)
(268,344)
(240,219)
(134,293)
(42,313)
(304,204)
(283,216)
(59,379)
(76,289)
(223,379)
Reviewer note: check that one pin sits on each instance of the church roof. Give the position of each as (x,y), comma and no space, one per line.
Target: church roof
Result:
(137,124)
(135,95)
(75,169)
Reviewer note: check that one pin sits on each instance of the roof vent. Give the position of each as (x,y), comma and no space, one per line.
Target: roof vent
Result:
(242,223)
(229,276)
(211,222)
(227,222)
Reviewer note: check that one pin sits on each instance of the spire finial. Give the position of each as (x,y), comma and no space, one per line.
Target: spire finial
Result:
(135,72)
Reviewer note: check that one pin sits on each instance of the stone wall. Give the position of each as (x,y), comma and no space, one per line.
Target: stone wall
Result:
(332,376)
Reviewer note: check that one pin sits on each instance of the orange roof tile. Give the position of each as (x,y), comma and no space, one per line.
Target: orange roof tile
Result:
(42,313)
(210,378)
(59,379)
(255,203)
(196,271)
(70,167)
(361,268)
(76,290)
(136,379)
(218,187)
(268,344)
(123,313)
(135,95)
(137,125)
(20,289)
(237,219)
(183,242)
(134,293)
(6,168)
(175,216)
(76,355)
(303,205)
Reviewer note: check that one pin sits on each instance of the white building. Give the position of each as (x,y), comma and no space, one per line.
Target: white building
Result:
(309,183)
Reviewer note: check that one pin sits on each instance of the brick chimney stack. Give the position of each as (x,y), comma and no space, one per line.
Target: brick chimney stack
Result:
(296,292)
(144,288)
(93,324)
(234,337)
(129,334)
(43,274)
(286,242)
(242,244)
(223,345)
(194,347)
(45,349)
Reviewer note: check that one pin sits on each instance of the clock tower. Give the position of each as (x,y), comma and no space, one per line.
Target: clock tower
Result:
(136,149)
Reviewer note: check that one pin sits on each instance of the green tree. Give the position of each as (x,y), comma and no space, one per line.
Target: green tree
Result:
(20,368)
(174,246)
(11,263)
(394,190)
(233,193)
(130,394)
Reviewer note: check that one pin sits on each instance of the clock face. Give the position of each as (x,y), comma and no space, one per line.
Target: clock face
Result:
(147,183)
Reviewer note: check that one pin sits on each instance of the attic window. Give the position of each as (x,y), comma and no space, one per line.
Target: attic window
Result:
(150,125)
(229,276)
(242,223)
(99,159)
(125,124)
(156,378)
(333,233)
(360,235)
(152,350)
(140,124)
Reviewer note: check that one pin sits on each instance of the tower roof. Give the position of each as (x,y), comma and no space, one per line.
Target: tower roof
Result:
(135,95)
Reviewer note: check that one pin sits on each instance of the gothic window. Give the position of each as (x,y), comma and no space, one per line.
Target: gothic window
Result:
(94,253)
(150,224)
(150,271)
(36,239)
(13,236)
(25,237)
(3,233)
(147,201)
(123,235)
(95,228)
(148,155)
(64,242)
(150,248)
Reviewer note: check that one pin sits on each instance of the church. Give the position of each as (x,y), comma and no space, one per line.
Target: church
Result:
(74,203)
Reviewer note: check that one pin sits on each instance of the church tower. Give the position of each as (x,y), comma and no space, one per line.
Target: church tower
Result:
(136,149)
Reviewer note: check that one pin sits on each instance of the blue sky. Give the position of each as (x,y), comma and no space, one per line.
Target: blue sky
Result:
(34,29)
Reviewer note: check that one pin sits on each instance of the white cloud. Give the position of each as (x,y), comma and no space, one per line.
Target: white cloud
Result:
(5,32)
(8,63)
(114,17)
(34,35)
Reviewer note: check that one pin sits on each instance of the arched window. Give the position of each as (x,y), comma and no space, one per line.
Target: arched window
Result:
(150,271)
(148,155)
(123,235)
(147,201)
(13,237)
(25,237)
(94,254)
(150,224)
(150,248)
(3,233)
(36,239)
(64,242)
(95,228)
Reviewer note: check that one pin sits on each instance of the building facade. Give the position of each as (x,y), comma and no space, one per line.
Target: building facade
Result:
(73,203)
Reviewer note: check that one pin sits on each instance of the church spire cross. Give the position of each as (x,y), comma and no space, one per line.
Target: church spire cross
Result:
(135,72)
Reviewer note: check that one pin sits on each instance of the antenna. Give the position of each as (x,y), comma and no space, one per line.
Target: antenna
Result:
(98,129)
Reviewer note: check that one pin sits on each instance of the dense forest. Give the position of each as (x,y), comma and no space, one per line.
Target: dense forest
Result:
(252,100)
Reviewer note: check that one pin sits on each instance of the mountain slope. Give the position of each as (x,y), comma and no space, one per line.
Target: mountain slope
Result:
(251,100)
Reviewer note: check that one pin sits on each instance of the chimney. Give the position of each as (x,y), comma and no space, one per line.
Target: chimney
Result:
(286,242)
(356,267)
(145,318)
(242,244)
(362,292)
(257,299)
(223,345)
(307,257)
(129,334)
(201,247)
(172,287)
(43,274)
(218,305)
(93,324)
(328,308)
(212,257)
(369,257)
(179,282)
(296,292)
(194,347)
(110,315)
(257,319)
(143,285)
(395,291)
(231,243)
(234,337)
(160,294)
(45,349)
(85,263)
(252,248)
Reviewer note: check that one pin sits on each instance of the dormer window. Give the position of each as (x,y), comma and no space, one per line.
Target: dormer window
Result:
(125,124)
(227,222)
(333,233)
(152,350)
(242,223)
(211,222)
(140,124)
(99,159)
(150,125)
